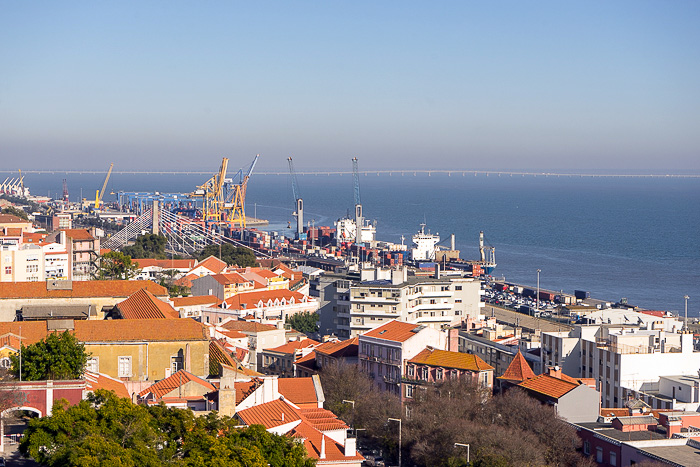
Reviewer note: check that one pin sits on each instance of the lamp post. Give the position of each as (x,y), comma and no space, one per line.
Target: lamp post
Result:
(537,306)
(685,325)
(398,420)
(464,446)
(353,411)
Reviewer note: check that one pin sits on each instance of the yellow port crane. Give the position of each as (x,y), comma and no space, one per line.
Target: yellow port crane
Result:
(100,194)
(235,198)
(212,194)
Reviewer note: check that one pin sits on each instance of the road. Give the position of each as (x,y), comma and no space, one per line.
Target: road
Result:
(513,318)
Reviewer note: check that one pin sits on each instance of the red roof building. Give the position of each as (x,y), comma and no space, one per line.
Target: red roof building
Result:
(144,305)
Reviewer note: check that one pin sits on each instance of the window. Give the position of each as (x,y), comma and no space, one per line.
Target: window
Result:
(599,455)
(439,373)
(586,447)
(93,364)
(425,373)
(409,390)
(613,458)
(5,362)
(411,370)
(176,363)
(124,367)
(8,269)
(458,287)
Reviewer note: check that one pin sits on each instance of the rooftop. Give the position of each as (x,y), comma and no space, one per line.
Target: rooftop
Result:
(548,386)
(247,326)
(249,300)
(144,305)
(518,370)
(446,359)
(395,330)
(196,300)
(339,349)
(78,289)
(174,381)
(299,391)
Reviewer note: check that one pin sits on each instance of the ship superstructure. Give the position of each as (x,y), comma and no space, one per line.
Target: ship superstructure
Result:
(424,245)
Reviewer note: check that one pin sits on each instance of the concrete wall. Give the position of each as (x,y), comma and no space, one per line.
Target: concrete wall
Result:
(207,285)
(579,405)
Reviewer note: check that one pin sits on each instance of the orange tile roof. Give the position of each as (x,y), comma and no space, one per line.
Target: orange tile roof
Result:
(394,330)
(12,232)
(115,330)
(144,305)
(445,359)
(213,264)
(230,278)
(313,440)
(78,234)
(80,289)
(233,334)
(247,326)
(196,300)
(247,300)
(322,419)
(270,414)
(174,381)
(292,346)
(246,388)
(307,361)
(298,390)
(11,219)
(548,386)
(217,355)
(97,381)
(186,281)
(518,370)
(165,263)
(338,349)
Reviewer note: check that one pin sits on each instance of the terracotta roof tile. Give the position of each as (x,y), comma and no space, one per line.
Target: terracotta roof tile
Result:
(292,346)
(174,381)
(144,305)
(548,386)
(445,359)
(246,388)
(322,419)
(217,355)
(395,330)
(270,414)
(518,370)
(213,264)
(247,326)
(298,390)
(197,300)
(97,381)
(339,349)
(80,289)
(233,334)
(313,441)
(78,234)
(11,219)
(248,300)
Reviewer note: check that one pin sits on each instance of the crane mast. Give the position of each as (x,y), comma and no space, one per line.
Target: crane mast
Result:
(359,221)
(299,202)
(100,194)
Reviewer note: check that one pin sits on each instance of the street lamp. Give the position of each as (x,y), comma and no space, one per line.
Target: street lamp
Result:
(686,312)
(353,411)
(398,420)
(537,306)
(464,446)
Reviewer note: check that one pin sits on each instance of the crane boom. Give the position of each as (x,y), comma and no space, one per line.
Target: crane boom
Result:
(298,202)
(356,180)
(100,194)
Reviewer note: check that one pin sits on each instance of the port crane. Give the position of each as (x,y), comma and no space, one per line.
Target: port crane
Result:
(359,221)
(212,195)
(235,195)
(299,202)
(100,194)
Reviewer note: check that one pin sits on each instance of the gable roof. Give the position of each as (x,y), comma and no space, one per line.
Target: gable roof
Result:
(230,278)
(315,441)
(246,388)
(394,330)
(339,349)
(11,219)
(518,370)
(548,386)
(174,381)
(445,359)
(247,326)
(95,381)
(218,355)
(250,300)
(213,264)
(144,305)
(292,346)
(79,289)
(270,414)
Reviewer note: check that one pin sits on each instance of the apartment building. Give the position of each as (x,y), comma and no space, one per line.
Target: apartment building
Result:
(621,359)
(351,305)
(384,350)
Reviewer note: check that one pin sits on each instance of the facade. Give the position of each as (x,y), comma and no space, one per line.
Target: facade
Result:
(383,351)
(432,366)
(154,269)
(83,249)
(260,337)
(280,360)
(222,286)
(621,359)
(351,306)
(332,352)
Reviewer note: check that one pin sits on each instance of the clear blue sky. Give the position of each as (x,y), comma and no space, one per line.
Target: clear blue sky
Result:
(594,85)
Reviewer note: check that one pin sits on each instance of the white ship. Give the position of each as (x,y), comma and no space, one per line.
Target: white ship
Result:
(424,245)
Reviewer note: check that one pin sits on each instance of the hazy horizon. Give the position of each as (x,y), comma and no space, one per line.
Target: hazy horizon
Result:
(607,87)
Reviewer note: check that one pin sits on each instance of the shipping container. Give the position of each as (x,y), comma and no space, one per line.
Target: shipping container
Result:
(582,294)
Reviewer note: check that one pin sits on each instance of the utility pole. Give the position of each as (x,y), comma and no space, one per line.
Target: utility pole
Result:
(686,313)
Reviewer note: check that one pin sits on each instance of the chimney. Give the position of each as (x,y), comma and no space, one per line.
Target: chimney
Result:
(350,447)
(453,340)
(323,447)
(554,372)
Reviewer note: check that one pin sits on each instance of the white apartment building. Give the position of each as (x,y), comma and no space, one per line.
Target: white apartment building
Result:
(23,263)
(621,359)
(351,307)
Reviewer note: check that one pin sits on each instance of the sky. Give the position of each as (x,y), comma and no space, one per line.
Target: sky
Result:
(503,85)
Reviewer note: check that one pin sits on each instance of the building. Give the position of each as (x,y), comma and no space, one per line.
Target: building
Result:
(155,269)
(432,366)
(331,352)
(623,359)
(222,286)
(351,305)
(280,360)
(260,337)
(192,307)
(101,295)
(143,305)
(181,390)
(384,350)
(83,249)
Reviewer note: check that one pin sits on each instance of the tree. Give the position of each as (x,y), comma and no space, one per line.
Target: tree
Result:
(147,246)
(305,322)
(232,255)
(59,356)
(16,212)
(105,430)
(116,265)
